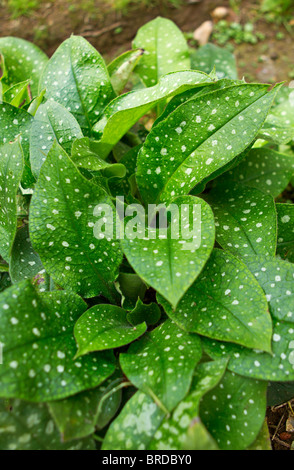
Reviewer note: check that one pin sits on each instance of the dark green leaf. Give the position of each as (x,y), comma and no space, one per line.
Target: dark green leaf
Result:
(149,313)
(24,262)
(285,246)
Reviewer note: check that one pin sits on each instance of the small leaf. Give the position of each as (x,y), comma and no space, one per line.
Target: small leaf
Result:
(105,327)
(149,313)
(76,77)
(11,168)
(131,288)
(120,69)
(263,440)
(52,122)
(162,363)
(217,306)
(26,426)
(209,56)
(18,94)
(285,246)
(240,407)
(246,220)
(165,50)
(37,332)
(62,229)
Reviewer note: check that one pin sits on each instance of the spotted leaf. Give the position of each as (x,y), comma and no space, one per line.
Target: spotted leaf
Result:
(285,246)
(209,56)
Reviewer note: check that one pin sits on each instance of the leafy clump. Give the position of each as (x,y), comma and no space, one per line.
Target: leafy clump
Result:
(147,242)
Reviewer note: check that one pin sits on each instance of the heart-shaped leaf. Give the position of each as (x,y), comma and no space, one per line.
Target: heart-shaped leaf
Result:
(39,347)
(162,363)
(285,246)
(170,263)
(217,305)
(105,327)
(61,228)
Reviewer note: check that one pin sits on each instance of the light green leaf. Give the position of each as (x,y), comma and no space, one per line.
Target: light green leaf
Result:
(76,77)
(246,220)
(18,94)
(11,168)
(26,426)
(240,406)
(209,56)
(52,122)
(149,313)
(62,225)
(184,429)
(105,327)
(263,169)
(285,246)
(279,126)
(217,305)
(162,363)
(123,112)
(25,263)
(165,261)
(204,134)
(120,69)
(135,426)
(23,61)
(37,333)
(166,50)
(78,416)
(263,440)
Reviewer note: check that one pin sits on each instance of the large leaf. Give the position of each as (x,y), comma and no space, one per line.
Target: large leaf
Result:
(263,169)
(61,228)
(285,246)
(209,56)
(123,112)
(26,426)
(245,219)
(105,327)
(11,168)
(52,122)
(184,429)
(217,306)
(240,406)
(168,263)
(76,77)
(23,61)
(199,137)
(165,50)
(162,363)
(37,332)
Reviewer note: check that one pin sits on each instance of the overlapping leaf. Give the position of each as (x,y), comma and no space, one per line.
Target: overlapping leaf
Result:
(149,313)
(162,363)
(105,327)
(209,56)
(39,346)
(165,50)
(61,228)
(217,305)
(121,68)
(285,246)
(199,137)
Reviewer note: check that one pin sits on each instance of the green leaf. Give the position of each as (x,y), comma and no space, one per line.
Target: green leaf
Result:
(279,393)
(18,94)
(246,220)
(263,169)
(62,221)
(26,426)
(4,268)
(105,327)
(204,134)
(166,50)
(263,440)
(84,155)
(52,122)
(135,426)
(209,56)
(278,367)
(131,288)
(184,429)
(78,416)
(217,306)
(37,333)
(285,246)
(123,112)
(148,313)
(162,363)
(279,126)
(76,77)
(240,407)
(11,168)
(16,122)
(166,261)
(23,61)
(120,69)
(25,263)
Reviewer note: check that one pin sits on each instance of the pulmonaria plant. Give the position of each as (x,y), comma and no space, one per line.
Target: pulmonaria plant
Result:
(142,340)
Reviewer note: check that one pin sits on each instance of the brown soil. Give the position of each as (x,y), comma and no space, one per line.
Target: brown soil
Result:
(277,421)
